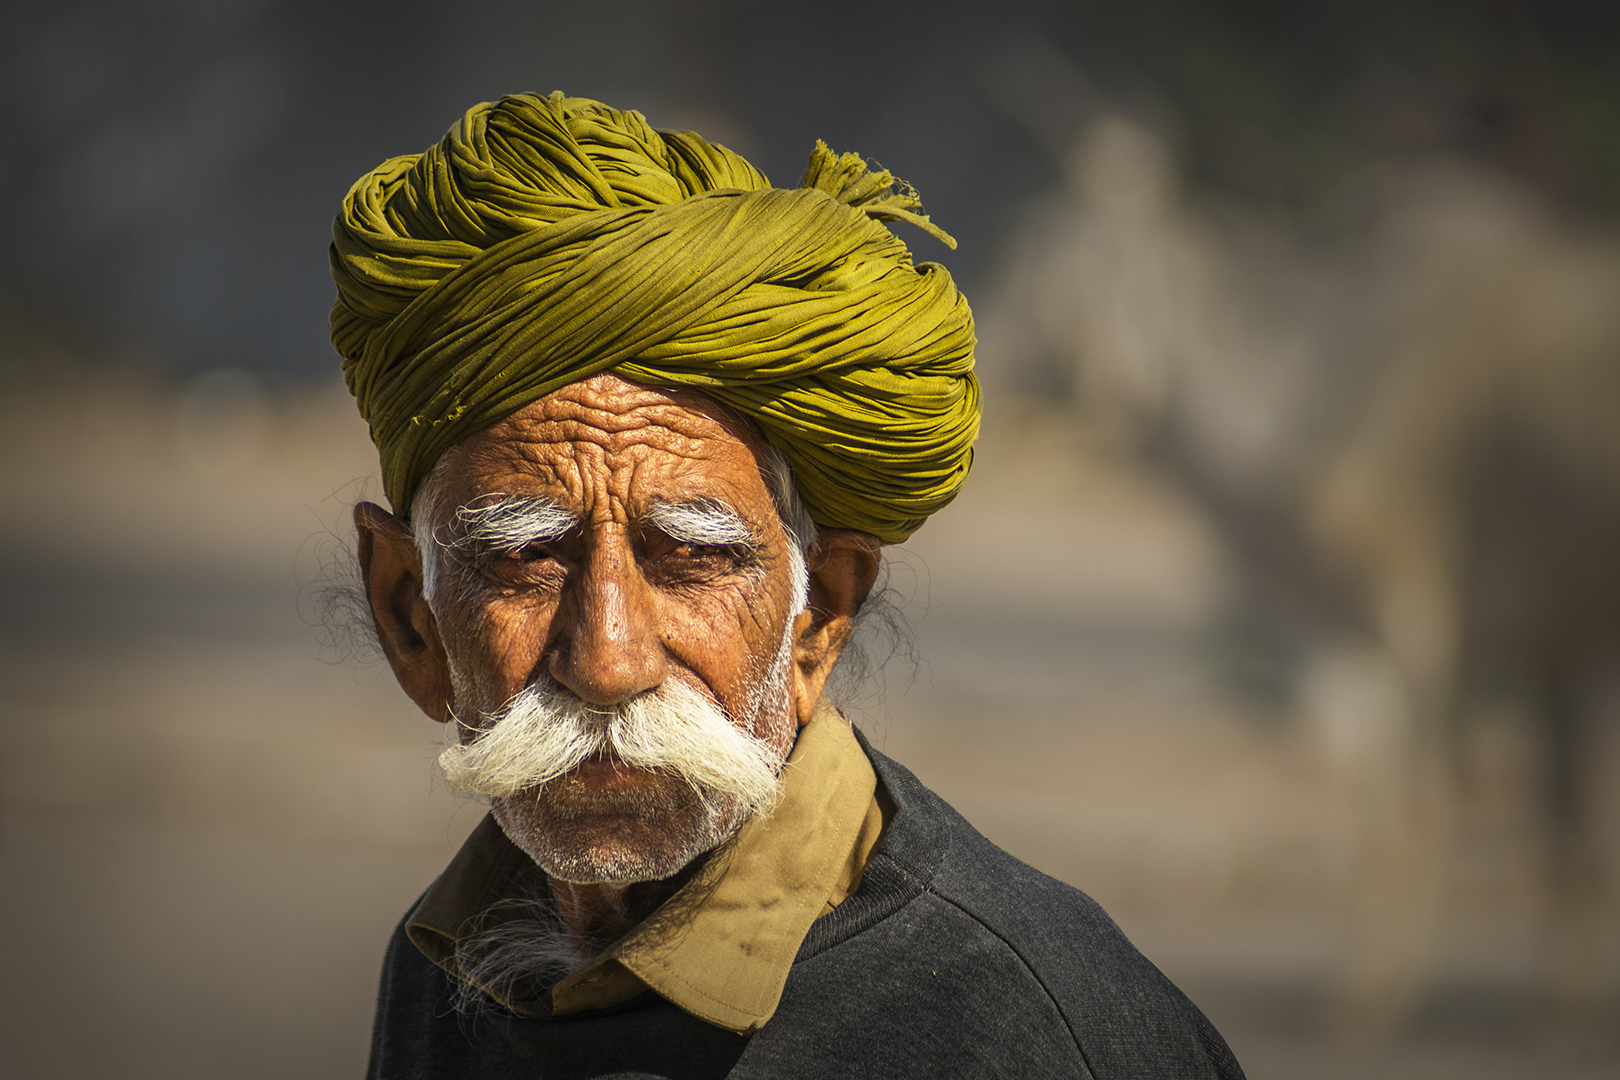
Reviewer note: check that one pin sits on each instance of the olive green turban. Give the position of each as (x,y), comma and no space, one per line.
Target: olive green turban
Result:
(545,239)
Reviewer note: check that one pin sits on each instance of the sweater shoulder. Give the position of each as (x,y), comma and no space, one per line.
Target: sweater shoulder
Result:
(1126,1017)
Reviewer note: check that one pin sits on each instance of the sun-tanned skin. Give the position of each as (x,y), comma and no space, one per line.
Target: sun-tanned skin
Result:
(616,607)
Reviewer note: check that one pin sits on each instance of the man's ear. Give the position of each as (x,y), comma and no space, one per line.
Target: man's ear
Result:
(392,570)
(843,566)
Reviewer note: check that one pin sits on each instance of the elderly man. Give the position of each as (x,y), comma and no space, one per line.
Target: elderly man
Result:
(645,422)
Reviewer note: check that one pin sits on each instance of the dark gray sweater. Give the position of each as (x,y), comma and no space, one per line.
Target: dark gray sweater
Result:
(953,959)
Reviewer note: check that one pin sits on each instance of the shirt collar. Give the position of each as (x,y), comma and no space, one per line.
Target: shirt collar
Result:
(722,946)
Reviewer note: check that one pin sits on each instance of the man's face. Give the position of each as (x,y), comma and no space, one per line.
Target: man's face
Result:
(616,604)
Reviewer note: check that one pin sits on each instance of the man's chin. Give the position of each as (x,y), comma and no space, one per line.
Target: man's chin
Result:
(614,837)
(612,864)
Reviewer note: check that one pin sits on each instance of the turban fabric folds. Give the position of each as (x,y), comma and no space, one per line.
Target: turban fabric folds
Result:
(546,239)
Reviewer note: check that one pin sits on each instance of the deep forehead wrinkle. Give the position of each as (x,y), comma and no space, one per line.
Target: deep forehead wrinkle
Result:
(665,425)
(627,444)
(614,414)
(593,441)
(608,404)
(672,440)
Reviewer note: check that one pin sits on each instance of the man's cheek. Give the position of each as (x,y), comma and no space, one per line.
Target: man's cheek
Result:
(726,646)
(742,613)
(508,637)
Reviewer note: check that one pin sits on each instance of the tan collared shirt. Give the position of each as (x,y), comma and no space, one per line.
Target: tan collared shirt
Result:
(721,947)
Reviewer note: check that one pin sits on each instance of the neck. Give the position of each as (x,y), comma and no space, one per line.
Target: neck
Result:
(601,913)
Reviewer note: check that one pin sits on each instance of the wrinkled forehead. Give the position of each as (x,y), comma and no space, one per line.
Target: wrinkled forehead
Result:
(606,446)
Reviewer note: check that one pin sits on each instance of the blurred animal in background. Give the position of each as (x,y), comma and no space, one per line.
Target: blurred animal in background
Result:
(1407,425)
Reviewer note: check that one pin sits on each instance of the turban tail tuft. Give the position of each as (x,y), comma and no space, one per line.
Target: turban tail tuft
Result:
(546,239)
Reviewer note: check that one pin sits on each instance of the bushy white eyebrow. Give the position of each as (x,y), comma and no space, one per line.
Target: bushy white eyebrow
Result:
(511,522)
(706,522)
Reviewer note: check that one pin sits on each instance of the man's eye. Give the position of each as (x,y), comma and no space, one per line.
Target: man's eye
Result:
(533,565)
(530,552)
(506,560)
(697,551)
(713,555)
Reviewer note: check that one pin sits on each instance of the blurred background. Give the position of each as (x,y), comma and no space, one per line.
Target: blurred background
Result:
(1281,613)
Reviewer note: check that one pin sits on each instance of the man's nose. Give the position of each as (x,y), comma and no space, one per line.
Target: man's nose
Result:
(612,650)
